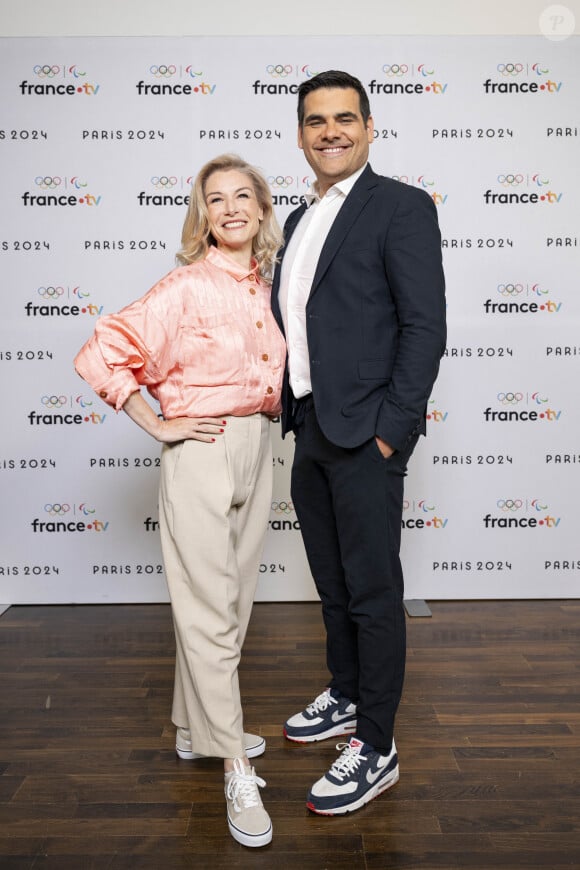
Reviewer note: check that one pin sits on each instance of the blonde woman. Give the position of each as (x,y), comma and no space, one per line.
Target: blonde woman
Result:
(204,343)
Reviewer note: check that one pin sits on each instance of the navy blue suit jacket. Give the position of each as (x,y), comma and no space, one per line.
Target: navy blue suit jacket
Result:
(375,316)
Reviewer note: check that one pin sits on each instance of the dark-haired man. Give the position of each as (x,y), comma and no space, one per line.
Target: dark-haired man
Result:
(360,296)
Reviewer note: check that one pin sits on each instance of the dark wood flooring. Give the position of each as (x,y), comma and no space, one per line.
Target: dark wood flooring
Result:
(488,737)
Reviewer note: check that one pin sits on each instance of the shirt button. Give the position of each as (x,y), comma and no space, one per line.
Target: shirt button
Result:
(259,324)
(269,390)
(253,291)
(265,357)
(103,394)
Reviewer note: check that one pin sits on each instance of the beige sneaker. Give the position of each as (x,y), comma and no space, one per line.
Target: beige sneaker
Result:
(253,744)
(248,821)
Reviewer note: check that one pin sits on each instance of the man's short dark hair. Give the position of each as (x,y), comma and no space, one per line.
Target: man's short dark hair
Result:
(333,78)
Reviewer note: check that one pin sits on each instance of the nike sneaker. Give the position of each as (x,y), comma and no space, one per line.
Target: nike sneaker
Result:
(358,775)
(329,715)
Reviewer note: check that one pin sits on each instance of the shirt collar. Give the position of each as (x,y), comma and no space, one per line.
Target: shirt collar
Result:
(343,187)
(229,265)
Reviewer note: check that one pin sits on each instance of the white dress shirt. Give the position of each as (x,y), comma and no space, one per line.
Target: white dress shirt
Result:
(298,269)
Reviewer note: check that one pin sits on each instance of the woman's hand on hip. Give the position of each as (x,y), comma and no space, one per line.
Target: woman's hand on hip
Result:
(190,428)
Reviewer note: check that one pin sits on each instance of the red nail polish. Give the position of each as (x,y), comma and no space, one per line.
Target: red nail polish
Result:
(221,430)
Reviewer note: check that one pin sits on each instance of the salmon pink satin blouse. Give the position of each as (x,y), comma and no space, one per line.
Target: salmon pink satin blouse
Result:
(203,341)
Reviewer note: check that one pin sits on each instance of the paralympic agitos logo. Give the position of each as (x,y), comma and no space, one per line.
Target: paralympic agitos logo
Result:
(521,513)
(55,190)
(510,78)
(64,517)
(519,407)
(426,183)
(53,80)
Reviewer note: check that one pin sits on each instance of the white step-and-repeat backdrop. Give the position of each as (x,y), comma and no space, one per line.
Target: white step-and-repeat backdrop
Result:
(99,141)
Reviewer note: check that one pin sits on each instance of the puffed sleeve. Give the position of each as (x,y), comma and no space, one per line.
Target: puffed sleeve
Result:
(132,348)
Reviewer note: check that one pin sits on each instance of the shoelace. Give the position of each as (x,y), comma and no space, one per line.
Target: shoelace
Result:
(242,788)
(321,703)
(347,762)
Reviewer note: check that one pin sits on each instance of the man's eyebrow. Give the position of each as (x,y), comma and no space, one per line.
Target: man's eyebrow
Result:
(338,116)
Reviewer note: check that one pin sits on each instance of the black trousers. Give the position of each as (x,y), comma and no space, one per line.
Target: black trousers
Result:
(350,503)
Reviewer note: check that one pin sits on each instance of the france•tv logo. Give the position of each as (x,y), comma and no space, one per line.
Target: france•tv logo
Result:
(520,298)
(56,302)
(71,192)
(165,191)
(64,517)
(424,515)
(537,409)
(405,78)
(510,77)
(511,516)
(517,187)
(175,80)
(51,78)
(79,412)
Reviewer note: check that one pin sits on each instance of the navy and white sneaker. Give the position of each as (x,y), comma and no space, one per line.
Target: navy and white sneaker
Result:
(357,776)
(329,715)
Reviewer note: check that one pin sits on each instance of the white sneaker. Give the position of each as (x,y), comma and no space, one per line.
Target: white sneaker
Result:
(248,821)
(253,744)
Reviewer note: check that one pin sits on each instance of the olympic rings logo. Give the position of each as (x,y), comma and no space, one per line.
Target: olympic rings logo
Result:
(163,70)
(280,180)
(279,70)
(395,69)
(56,509)
(45,71)
(406,504)
(510,398)
(403,178)
(510,69)
(510,179)
(50,292)
(164,181)
(510,289)
(47,182)
(509,504)
(282,507)
(54,401)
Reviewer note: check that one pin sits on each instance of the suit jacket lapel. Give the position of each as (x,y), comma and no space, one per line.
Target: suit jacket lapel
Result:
(348,214)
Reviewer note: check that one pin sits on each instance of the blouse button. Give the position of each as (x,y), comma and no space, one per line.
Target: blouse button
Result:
(251,277)
(269,390)
(103,394)
(253,291)
(259,324)
(265,357)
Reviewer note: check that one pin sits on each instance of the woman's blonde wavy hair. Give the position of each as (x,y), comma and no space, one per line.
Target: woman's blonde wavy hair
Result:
(196,236)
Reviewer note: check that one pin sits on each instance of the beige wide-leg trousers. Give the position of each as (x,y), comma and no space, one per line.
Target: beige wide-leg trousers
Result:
(213,512)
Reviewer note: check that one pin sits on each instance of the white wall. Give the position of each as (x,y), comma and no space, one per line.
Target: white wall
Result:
(260,17)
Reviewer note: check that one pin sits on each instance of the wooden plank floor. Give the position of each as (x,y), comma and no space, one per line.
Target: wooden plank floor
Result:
(488,737)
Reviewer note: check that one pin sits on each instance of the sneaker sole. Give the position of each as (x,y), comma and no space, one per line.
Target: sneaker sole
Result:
(251,752)
(368,796)
(251,840)
(337,731)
